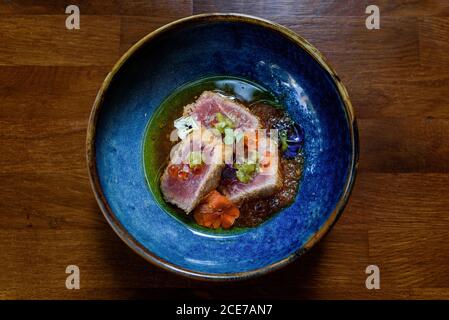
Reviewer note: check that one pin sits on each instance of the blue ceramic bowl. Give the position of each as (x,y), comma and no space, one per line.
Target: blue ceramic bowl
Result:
(233,45)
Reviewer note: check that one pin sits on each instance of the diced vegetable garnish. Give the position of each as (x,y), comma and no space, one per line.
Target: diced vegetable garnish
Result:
(245,171)
(229,136)
(195,159)
(185,125)
(283,138)
(215,211)
(223,122)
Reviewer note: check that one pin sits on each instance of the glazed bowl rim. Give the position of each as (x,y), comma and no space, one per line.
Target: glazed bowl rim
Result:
(152,257)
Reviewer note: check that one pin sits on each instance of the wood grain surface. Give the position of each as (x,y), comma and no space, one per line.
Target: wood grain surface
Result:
(397,216)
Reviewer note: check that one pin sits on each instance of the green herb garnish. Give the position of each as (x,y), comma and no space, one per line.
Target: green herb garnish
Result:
(283,138)
(245,171)
(223,123)
(229,136)
(195,159)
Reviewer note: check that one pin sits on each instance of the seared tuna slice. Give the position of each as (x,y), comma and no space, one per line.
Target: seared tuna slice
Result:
(265,182)
(205,109)
(193,171)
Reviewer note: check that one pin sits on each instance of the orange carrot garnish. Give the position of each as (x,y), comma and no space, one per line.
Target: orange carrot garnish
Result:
(215,210)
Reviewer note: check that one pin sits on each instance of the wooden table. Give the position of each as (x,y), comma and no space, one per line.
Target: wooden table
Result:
(397,217)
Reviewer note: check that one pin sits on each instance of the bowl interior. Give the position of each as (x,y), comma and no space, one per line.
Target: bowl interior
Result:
(185,52)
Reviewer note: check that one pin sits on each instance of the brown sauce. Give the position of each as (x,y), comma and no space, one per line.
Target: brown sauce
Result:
(254,212)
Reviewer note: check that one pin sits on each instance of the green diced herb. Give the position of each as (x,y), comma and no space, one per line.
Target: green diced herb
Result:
(283,138)
(229,136)
(195,159)
(223,123)
(245,171)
